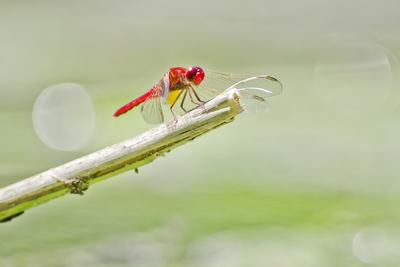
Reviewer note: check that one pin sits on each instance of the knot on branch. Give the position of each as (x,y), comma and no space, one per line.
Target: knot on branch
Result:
(79,185)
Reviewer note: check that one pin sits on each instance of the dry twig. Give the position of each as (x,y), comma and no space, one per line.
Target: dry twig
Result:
(77,175)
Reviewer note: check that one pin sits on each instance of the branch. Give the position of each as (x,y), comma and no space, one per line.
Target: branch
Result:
(77,175)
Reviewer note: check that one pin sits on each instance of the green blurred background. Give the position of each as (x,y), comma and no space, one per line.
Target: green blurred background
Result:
(312,182)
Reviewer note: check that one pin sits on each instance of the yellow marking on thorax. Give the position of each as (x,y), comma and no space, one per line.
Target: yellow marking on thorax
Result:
(172,95)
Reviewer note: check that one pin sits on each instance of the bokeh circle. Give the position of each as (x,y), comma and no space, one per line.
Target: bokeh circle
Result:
(64,116)
(352,76)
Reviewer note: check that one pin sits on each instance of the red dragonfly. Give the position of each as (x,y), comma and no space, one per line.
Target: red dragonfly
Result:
(182,83)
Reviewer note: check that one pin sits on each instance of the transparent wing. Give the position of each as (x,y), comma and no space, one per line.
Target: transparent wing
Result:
(254,99)
(229,80)
(254,89)
(151,109)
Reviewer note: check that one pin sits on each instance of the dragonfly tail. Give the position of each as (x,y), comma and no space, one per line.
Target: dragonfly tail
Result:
(135,102)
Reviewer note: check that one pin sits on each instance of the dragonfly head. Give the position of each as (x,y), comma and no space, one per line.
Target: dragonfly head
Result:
(195,74)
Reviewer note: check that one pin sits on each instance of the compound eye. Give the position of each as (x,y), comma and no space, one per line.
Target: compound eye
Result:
(191,73)
(198,78)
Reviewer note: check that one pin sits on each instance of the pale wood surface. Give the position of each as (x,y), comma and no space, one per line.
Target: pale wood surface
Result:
(77,175)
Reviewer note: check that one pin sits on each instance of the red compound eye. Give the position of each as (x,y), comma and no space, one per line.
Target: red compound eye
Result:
(195,74)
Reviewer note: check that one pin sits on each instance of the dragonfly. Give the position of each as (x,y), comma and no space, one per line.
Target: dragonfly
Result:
(183,85)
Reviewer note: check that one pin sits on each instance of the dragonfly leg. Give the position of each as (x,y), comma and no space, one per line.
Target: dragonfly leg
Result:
(183,101)
(197,96)
(173,114)
(173,104)
(191,99)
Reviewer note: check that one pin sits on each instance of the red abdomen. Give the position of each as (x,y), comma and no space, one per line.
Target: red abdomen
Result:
(135,102)
(173,79)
